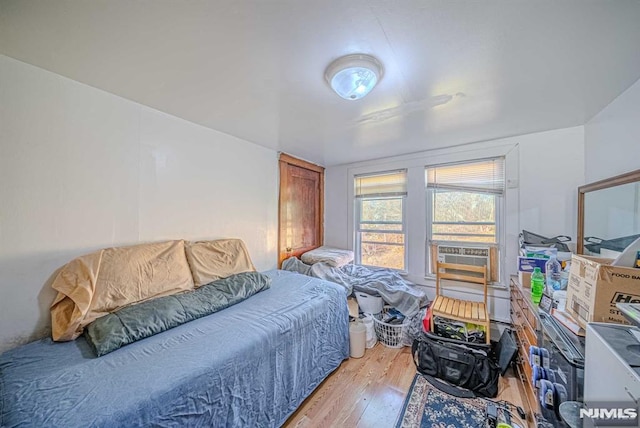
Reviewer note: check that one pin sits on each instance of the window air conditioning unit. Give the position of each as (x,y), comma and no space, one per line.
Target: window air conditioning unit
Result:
(474,256)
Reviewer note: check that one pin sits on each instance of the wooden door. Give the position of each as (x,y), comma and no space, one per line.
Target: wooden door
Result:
(300,207)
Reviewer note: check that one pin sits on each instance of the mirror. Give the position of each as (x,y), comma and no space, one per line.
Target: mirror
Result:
(609,215)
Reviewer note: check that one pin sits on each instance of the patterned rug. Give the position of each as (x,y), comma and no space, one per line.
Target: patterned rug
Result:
(428,407)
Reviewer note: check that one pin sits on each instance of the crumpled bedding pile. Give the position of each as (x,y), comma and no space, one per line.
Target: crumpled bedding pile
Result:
(386,283)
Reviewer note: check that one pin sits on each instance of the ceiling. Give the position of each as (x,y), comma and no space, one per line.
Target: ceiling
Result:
(455,71)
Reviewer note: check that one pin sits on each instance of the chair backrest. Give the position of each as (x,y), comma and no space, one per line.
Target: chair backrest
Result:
(463,273)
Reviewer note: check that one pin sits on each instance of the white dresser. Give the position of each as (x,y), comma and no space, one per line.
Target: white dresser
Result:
(612,369)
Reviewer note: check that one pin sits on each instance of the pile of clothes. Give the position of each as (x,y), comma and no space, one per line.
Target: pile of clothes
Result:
(386,283)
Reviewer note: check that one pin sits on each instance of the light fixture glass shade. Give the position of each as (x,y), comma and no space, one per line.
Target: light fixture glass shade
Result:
(354,76)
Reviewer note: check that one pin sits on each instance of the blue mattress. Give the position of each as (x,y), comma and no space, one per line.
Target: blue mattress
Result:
(249,365)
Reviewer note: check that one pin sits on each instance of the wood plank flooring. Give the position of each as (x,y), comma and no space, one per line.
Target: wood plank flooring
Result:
(370,391)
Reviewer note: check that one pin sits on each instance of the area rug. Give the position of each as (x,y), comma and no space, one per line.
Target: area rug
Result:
(428,407)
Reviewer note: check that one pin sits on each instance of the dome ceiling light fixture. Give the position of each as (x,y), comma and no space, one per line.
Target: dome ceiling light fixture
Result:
(354,76)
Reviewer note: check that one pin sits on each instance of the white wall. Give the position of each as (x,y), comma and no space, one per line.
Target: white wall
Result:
(543,173)
(612,137)
(551,170)
(81,169)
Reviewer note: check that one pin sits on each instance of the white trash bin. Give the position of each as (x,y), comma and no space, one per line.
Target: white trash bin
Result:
(357,339)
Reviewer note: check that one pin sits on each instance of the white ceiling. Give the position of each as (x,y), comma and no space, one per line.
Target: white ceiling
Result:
(455,71)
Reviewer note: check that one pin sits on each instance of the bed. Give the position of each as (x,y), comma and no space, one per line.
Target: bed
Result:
(335,257)
(251,364)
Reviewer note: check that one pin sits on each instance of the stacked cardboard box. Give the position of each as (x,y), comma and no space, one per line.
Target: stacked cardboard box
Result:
(595,287)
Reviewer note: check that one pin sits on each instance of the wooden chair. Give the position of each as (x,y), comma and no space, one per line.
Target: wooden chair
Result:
(461,310)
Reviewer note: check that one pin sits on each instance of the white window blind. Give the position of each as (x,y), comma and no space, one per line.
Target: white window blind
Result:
(392,183)
(484,176)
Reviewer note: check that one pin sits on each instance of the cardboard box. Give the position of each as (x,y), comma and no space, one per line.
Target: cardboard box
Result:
(595,287)
(526,264)
(525,279)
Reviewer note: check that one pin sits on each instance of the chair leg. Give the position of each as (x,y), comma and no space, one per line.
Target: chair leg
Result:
(431,326)
(488,335)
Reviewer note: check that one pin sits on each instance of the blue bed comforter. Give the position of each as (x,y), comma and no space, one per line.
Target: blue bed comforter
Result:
(251,364)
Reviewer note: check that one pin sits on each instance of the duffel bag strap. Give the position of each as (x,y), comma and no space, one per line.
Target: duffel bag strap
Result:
(448,388)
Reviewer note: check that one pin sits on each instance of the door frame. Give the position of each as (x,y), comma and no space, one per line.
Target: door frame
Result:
(284,160)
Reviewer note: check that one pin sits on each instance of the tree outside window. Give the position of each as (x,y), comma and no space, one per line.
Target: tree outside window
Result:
(380,220)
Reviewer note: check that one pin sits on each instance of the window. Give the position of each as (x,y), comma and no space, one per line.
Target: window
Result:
(464,202)
(380,219)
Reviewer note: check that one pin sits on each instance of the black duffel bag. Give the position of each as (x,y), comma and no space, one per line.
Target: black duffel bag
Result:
(457,363)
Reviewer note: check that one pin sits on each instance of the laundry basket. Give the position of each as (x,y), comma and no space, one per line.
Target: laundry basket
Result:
(390,335)
(369,304)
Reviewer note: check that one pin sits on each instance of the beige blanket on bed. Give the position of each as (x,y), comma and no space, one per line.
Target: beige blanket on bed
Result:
(211,260)
(99,283)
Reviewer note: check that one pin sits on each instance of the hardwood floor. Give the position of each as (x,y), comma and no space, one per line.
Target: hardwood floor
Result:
(370,391)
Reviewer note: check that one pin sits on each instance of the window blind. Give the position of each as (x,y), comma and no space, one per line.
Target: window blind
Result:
(484,176)
(392,183)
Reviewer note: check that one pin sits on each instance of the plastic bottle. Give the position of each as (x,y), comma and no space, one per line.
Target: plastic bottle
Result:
(537,285)
(554,274)
(564,277)
(357,338)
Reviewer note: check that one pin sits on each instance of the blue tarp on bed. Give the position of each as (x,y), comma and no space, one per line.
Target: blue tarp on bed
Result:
(249,365)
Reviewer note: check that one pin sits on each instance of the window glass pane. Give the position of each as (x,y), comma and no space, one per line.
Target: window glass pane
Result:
(381,210)
(386,238)
(381,232)
(464,207)
(464,217)
(383,255)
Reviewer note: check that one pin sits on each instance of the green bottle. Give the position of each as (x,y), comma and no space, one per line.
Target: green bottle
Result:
(537,285)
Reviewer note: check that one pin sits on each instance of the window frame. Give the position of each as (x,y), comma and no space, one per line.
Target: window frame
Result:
(358,231)
(500,226)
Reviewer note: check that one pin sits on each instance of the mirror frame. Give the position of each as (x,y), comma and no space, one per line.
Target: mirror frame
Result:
(618,180)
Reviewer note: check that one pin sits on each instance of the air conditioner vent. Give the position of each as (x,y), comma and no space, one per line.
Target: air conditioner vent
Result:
(463,251)
(474,256)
